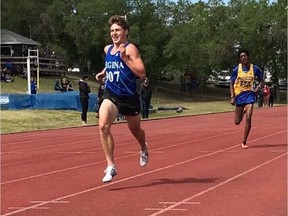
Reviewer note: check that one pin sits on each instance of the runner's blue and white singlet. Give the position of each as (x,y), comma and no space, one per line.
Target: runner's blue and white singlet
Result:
(120,80)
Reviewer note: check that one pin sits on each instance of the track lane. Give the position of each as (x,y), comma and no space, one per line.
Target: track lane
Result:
(198,147)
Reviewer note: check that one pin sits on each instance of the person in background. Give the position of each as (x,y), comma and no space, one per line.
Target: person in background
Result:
(123,65)
(266,95)
(66,85)
(84,91)
(53,55)
(182,79)
(33,85)
(272,95)
(260,96)
(145,94)
(100,95)
(57,86)
(242,91)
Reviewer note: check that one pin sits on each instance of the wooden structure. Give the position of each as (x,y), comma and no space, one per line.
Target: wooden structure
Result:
(48,66)
(13,47)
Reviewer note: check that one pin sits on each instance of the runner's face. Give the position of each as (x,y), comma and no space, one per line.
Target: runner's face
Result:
(118,34)
(244,59)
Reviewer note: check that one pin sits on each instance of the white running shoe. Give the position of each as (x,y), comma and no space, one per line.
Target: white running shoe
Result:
(144,157)
(110,172)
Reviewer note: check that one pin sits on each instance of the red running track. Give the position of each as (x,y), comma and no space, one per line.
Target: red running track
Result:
(196,168)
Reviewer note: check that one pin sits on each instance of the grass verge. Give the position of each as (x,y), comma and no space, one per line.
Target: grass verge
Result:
(13,121)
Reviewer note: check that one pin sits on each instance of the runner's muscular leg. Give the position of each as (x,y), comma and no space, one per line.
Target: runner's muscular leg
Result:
(239,113)
(134,125)
(249,113)
(107,113)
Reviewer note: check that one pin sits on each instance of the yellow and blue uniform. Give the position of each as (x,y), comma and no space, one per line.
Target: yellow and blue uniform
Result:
(243,80)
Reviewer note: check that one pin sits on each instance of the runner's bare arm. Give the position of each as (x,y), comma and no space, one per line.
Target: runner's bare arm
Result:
(130,55)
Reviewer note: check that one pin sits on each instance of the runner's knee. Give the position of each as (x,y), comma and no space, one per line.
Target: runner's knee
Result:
(104,128)
(237,122)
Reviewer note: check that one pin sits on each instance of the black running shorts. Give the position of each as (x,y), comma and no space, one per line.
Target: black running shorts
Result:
(127,105)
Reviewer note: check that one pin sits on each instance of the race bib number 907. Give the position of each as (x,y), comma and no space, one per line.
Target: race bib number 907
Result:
(113,76)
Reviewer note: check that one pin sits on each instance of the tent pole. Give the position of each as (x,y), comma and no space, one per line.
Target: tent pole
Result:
(28,73)
(38,78)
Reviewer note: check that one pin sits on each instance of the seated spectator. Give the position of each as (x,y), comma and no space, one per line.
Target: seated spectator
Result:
(66,85)
(57,85)
(5,77)
(11,68)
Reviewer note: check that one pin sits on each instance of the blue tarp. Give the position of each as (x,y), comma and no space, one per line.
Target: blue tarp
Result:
(48,101)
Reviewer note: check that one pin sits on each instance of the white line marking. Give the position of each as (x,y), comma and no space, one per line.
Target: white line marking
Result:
(157,209)
(92,164)
(16,152)
(79,152)
(61,201)
(188,203)
(119,181)
(278,151)
(136,176)
(153,152)
(191,203)
(42,207)
(56,139)
(46,147)
(153,209)
(218,185)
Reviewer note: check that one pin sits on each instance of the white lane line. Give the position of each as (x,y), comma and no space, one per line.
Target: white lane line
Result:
(48,146)
(204,151)
(136,176)
(77,152)
(153,151)
(130,152)
(37,208)
(115,182)
(278,151)
(47,139)
(187,203)
(61,201)
(216,186)
(191,203)
(157,209)
(98,162)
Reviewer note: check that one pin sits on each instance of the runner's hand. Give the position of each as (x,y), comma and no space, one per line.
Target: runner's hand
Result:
(100,75)
(232,101)
(122,50)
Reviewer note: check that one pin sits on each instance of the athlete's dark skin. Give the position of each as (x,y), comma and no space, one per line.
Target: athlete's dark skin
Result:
(247,109)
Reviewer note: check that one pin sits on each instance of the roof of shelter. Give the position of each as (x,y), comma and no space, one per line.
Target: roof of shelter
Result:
(9,37)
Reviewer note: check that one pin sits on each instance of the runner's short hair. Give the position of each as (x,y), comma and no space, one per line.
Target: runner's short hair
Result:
(242,51)
(119,20)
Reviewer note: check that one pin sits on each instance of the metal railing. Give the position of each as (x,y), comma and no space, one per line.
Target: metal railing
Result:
(49,66)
